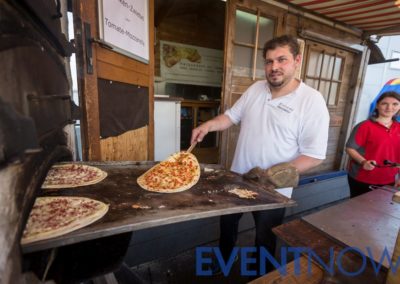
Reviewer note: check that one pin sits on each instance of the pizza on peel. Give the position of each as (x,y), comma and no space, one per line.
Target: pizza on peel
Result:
(177,173)
(57,215)
(72,175)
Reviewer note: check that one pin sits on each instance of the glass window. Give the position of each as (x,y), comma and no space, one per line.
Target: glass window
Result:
(267,27)
(312,83)
(246,27)
(327,67)
(336,70)
(315,60)
(243,60)
(332,95)
(324,73)
(245,48)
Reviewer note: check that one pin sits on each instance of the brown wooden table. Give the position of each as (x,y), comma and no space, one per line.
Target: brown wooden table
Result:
(369,220)
(208,198)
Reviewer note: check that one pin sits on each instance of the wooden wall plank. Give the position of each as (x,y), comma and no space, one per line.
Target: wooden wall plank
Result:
(266,10)
(129,146)
(120,74)
(226,148)
(116,59)
(241,81)
(86,12)
(150,132)
(294,22)
(359,68)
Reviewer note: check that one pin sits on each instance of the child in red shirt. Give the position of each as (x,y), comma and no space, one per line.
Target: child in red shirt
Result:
(371,143)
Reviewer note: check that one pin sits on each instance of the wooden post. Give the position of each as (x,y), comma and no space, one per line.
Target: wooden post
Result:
(393,278)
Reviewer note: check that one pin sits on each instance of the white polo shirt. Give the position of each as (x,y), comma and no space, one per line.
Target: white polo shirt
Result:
(278,130)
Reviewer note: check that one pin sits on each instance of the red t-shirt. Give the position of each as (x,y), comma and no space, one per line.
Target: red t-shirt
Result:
(375,142)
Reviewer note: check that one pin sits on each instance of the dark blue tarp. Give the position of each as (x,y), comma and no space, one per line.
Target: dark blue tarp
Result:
(321,176)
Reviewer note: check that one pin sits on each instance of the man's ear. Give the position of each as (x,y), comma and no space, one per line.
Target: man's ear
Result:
(297,59)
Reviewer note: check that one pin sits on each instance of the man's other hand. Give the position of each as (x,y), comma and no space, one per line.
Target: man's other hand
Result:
(283,175)
(279,176)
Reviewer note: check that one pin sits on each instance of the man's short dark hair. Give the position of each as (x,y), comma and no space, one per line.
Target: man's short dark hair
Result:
(285,40)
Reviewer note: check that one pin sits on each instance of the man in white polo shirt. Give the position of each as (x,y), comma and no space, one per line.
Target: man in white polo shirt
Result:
(282,121)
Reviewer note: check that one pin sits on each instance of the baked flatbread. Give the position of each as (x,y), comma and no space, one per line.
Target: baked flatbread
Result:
(244,193)
(55,216)
(72,175)
(177,173)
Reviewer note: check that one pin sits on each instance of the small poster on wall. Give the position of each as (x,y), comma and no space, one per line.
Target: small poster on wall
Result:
(189,64)
(124,25)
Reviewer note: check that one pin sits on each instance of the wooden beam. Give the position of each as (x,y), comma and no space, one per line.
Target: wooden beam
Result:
(86,12)
(395,30)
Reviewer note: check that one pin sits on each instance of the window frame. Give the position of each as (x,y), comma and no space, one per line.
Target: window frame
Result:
(335,54)
(254,45)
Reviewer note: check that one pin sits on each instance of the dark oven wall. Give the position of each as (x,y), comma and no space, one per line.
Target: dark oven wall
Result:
(34,107)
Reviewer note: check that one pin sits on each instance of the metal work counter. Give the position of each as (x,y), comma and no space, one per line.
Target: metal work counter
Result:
(208,198)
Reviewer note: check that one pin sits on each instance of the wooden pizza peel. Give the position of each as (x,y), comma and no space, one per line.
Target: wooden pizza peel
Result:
(191,147)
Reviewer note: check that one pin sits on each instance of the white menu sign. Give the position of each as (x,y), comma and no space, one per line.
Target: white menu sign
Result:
(124,24)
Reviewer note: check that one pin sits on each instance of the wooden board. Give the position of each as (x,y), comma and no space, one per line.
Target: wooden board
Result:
(393,277)
(315,275)
(370,220)
(208,198)
(129,146)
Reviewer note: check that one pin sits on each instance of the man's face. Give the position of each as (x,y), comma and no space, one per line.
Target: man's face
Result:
(280,66)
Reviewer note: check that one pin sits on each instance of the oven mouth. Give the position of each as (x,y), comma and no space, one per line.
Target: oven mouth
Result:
(35,106)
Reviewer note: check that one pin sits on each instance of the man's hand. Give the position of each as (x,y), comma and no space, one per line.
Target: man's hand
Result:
(283,175)
(218,123)
(280,175)
(199,132)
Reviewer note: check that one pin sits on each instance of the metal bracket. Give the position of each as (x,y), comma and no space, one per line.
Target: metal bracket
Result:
(102,43)
(58,14)
(88,48)
(89,40)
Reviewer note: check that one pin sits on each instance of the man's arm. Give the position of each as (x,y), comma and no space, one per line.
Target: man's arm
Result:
(303,163)
(218,123)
